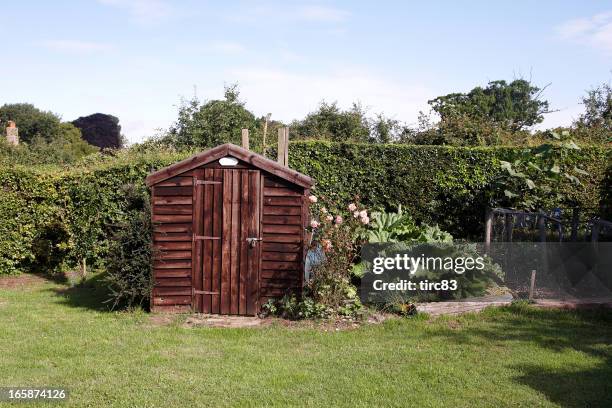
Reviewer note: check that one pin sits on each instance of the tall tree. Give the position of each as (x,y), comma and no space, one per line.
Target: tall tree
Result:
(100,130)
(329,122)
(32,122)
(512,106)
(213,123)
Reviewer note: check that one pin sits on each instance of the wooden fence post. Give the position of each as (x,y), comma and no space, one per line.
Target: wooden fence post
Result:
(532,284)
(286,151)
(245,138)
(509,221)
(488,229)
(265,132)
(280,154)
(575,221)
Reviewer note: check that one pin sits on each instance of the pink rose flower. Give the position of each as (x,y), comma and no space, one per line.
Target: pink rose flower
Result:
(356,214)
(365,220)
(329,218)
(324,210)
(327,245)
(363,214)
(352,207)
(314,224)
(312,198)
(339,219)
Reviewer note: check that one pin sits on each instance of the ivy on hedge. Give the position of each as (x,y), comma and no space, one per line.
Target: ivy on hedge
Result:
(54,217)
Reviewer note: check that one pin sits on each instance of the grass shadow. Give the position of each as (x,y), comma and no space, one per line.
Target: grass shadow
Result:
(585,331)
(90,293)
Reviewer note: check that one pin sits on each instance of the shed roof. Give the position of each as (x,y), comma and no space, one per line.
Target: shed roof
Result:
(232,150)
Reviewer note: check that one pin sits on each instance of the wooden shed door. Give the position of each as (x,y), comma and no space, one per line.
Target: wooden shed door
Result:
(227,241)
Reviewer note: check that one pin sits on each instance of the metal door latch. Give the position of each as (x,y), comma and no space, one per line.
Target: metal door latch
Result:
(252,241)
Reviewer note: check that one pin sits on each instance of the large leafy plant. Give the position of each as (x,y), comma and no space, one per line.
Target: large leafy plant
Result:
(533,180)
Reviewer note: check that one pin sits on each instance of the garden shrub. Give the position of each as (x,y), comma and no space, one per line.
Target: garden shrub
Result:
(71,210)
(129,267)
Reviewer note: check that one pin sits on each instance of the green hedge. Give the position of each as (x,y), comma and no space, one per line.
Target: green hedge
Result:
(54,217)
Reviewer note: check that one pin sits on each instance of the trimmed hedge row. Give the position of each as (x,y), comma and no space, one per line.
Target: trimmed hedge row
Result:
(53,217)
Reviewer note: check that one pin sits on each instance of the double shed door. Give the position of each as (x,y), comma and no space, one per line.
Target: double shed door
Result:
(226,241)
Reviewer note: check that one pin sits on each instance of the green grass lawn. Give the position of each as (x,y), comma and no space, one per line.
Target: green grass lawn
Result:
(516,356)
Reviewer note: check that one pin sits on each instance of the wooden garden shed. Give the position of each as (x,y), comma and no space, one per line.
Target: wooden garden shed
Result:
(229,232)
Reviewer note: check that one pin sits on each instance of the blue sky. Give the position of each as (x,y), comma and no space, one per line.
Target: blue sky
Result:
(135,59)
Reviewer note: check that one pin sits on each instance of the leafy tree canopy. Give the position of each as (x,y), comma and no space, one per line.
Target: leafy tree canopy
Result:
(213,123)
(329,122)
(31,121)
(101,130)
(513,106)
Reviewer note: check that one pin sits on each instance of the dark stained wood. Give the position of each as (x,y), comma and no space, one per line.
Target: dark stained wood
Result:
(173,209)
(171,218)
(172,300)
(173,191)
(217,245)
(172,236)
(280,256)
(196,266)
(282,219)
(208,244)
(273,274)
(235,251)
(254,261)
(173,246)
(172,273)
(185,228)
(172,291)
(173,282)
(282,229)
(172,264)
(281,192)
(279,284)
(279,266)
(216,153)
(282,238)
(176,182)
(283,201)
(245,217)
(226,260)
(173,255)
(172,308)
(277,247)
(272,210)
(171,200)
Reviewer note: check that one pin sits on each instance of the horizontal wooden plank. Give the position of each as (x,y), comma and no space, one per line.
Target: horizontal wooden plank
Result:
(172,308)
(172,246)
(184,227)
(171,218)
(282,219)
(171,273)
(281,192)
(281,229)
(277,292)
(172,236)
(279,256)
(279,247)
(173,282)
(280,238)
(171,200)
(276,182)
(161,255)
(172,209)
(289,275)
(280,266)
(276,210)
(172,291)
(172,264)
(176,182)
(283,201)
(173,191)
(287,284)
(172,300)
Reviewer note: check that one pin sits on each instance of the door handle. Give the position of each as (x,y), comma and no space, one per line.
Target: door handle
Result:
(252,241)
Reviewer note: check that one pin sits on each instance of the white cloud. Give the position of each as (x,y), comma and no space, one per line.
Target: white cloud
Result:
(145,12)
(321,14)
(291,96)
(595,31)
(75,46)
